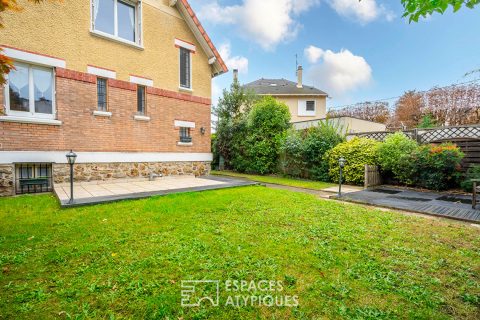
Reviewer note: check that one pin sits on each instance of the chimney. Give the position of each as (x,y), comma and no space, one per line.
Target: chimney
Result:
(235,74)
(300,77)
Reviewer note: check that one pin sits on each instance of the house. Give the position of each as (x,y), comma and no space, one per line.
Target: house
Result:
(308,105)
(126,84)
(304,102)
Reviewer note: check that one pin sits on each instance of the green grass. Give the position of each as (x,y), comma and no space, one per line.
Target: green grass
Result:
(127,259)
(299,183)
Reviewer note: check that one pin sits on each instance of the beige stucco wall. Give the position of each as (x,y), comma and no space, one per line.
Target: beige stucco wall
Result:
(62,29)
(292,103)
(346,125)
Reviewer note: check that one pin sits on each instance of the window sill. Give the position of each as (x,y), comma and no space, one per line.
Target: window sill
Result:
(141,118)
(185,89)
(107,36)
(50,122)
(102,114)
(184,144)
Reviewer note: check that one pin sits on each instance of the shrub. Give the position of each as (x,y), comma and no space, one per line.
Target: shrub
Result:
(267,126)
(435,167)
(357,152)
(395,147)
(318,141)
(292,161)
(304,151)
(472,173)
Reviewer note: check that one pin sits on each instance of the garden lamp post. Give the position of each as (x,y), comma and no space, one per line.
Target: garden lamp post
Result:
(341,164)
(71,157)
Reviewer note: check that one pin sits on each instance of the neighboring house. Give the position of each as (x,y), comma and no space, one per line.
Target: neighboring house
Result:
(308,105)
(345,124)
(304,102)
(126,84)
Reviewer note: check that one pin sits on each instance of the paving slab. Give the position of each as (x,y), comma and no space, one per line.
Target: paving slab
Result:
(108,191)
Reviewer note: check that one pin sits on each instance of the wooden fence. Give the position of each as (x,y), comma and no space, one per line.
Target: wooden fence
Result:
(373,177)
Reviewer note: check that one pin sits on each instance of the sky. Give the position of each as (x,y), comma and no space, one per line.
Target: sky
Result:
(354,50)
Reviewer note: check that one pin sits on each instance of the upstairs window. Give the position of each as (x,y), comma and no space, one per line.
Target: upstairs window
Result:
(141,100)
(185,69)
(117,18)
(30,91)
(311,106)
(185,135)
(102,94)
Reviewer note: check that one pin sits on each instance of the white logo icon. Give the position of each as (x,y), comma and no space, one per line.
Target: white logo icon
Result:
(194,292)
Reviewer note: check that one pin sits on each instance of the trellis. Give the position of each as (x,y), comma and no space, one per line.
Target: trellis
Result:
(467,138)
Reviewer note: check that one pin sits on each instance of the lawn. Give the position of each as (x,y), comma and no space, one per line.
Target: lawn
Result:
(299,183)
(127,259)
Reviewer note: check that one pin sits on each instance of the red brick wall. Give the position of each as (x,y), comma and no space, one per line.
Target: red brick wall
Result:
(82,131)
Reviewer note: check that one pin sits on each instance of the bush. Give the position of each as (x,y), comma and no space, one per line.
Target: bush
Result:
(391,152)
(304,151)
(292,161)
(357,152)
(435,167)
(318,141)
(267,126)
(472,173)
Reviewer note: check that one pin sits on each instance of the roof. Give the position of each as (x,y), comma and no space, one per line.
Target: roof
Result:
(217,63)
(282,87)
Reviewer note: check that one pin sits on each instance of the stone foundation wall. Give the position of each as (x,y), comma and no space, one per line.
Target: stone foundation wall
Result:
(7,178)
(111,171)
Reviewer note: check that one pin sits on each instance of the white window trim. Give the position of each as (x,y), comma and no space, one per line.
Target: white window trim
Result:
(180,87)
(37,59)
(31,94)
(141,81)
(184,144)
(99,113)
(184,124)
(185,45)
(302,109)
(140,117)
(50,122)
(138,25)
(104,73)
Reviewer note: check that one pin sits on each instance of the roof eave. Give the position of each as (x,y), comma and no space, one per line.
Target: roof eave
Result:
(218,66)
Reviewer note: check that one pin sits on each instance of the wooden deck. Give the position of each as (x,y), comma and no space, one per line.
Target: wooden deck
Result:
(451,206)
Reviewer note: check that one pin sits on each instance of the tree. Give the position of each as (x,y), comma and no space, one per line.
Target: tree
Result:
(232,110)
(408,110)
(6,64)
(377,111)
(267,126)
(414,9)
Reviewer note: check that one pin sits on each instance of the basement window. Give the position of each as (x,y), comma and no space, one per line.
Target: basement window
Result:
(33,178)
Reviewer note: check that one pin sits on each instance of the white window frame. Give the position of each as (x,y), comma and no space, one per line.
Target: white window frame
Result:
(31,94)
(138,23)
(180,86)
